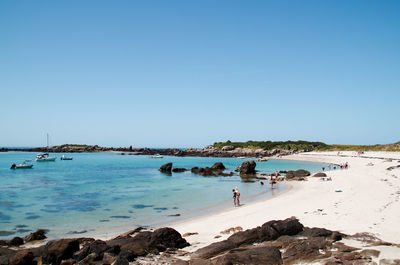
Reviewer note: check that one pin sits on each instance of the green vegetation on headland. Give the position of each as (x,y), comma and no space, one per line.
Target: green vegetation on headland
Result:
(307,146)
(377,147)
(269,145)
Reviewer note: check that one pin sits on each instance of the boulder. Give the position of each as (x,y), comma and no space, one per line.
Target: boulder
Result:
(57,250)
(16,241)
(97,248)
(316,232)
(319,175)
(166,168)
(214,249)
(178,169)
(5,255)
(218,166)
(206,171)
(23,257)
(167,237)
(254,235)
(289,226)
(306,250)
(195,170)
(251,256)
(248,168)
(38,235)
(132,247)
(297,175)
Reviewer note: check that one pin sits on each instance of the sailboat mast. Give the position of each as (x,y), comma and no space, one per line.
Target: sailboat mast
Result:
(47,140)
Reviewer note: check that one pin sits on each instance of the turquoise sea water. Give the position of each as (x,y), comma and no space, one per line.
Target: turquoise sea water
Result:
(100,193)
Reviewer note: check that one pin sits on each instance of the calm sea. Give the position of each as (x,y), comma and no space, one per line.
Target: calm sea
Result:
(106,193)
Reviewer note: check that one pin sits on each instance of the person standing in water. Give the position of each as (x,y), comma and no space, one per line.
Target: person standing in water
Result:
(237,196)
(234,198)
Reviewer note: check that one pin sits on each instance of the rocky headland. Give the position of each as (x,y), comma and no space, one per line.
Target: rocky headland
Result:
(209,151)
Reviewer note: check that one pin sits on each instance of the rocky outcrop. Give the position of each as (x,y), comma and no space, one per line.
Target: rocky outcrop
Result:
(166,168)
(121,250)
(178,169)
(267,232)
(218,166)
(319,175)
(16,241)
(24,257)
(166,237)
(210,151)
(38,235)
(254,255)
(248,168)
(299,174)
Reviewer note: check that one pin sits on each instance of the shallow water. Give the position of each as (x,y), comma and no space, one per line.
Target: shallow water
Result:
(97,192)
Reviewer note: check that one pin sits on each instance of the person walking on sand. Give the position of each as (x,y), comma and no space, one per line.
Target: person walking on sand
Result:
(234,197)
(237,196)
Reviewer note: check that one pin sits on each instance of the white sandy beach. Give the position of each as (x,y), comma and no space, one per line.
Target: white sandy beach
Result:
(368,201)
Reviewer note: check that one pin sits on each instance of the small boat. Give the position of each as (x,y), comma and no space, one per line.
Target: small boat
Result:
(45,157)
(156,156)
(65,158)
(24,165)
(263,159)
(240,157)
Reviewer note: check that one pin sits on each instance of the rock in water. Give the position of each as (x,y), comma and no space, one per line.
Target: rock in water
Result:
(218,166)
(178,169)
(38,235)
(248,168)
(167,168)
(297,175)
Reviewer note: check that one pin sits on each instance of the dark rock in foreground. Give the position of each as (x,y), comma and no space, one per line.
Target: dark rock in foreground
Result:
(166,168)
(254,255)
(16,241)
(319,175)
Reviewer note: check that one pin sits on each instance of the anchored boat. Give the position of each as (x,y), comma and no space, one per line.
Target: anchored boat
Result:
(65,158)
(45,158)
(156,156)
(23,165)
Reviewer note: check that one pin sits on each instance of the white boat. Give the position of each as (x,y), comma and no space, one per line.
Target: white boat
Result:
(45,158)
(23,165)
(156,156)
(262,159)
(65,158)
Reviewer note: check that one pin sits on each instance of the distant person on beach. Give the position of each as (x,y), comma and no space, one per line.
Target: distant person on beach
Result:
(272,181)
(237,196)
(234,198)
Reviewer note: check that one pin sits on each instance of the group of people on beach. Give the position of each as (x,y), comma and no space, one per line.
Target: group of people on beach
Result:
(341,166)
(236,197)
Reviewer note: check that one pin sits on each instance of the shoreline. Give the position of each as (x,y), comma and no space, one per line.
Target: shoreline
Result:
(349,203)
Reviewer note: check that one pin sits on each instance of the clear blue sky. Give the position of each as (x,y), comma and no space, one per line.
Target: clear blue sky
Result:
(188,73)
